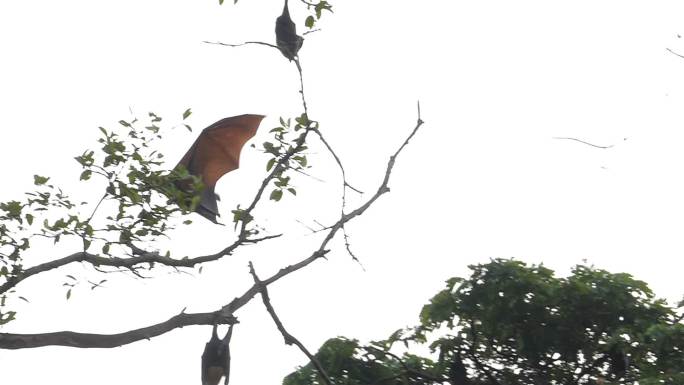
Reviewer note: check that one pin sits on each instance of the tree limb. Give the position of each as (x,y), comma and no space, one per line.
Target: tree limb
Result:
(128,263)
(88,340)
(289,338)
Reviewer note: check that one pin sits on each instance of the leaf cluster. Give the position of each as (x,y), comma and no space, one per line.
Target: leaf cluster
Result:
(287,153)
(510,323)
(146,200)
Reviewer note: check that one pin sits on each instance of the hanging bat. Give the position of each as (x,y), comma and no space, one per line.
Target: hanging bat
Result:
(287,39)
(216,152)
(216,358)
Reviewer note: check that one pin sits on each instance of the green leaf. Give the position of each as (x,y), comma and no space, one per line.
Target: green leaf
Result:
(292,191)
(85,175)
(187,113)
(124,123)
(68,294)
(39,180)
(301,160)
(86,244)
(105,248)
(322,5)
(29,219)
(13,209)
(7,317)
(155,117)
(310,21)
(270,164)
(153,128)
(282,181)
(303,119)
(187,222)
(271,149)
(220,2)
(276,195)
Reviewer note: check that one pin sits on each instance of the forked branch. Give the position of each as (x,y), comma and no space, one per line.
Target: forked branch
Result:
(289,338)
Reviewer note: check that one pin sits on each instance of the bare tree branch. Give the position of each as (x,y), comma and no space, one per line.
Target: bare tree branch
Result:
(337,160)
(289,338)
(127,263)
(88,340)
(321,251)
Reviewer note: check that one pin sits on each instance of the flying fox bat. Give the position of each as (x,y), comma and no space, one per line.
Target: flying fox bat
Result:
(287,39)
(216,152)
(216,358)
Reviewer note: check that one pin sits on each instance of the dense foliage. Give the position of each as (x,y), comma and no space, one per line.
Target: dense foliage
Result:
(510,323)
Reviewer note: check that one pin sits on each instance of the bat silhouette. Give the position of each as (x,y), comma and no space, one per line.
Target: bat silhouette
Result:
(216,152)
(287,39)
(216,358)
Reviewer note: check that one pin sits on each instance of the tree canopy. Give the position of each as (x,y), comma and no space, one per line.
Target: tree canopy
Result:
(510,323)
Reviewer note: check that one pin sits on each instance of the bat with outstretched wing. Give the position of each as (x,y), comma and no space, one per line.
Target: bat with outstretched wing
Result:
(217,152)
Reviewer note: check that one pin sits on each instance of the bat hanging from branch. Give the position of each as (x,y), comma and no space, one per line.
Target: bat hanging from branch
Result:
(287,39)
(216,358)
(216,152)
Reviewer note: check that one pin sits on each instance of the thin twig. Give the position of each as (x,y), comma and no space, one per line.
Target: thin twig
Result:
(308,3)
(311,31)
(675,53)
(305,225)
(306,174)
(241,44)
(337,160)
(289,338)
(581,141)
(347,245)
(301,85)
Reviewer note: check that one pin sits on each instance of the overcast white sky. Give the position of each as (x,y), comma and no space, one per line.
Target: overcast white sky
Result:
(484,178)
